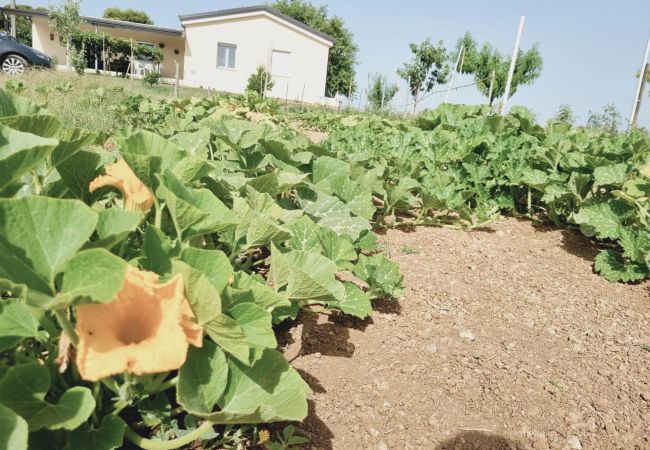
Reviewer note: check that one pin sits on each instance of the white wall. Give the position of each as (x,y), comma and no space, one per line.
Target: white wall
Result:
(255,36)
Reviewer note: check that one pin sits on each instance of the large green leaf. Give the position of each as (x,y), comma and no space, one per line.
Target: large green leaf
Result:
(16,323)
(327,169)
(602,219)
(148,155)
(203,297)
(612,266)
(194,211)
(230,336)
(256,323)
(78,170)
(309,236)
(213,263)
(381,274)
(13,430)
(306,276)
(13,105)
(23,389)
(20,152)
(202,379)
(93,276)
(258,225)
(114,225)
(38,236)
(108,436)
(613,175)
(246,288)
(158,250)
(268,391)
(356,302)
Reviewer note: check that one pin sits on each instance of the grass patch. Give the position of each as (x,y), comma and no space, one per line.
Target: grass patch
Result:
(89,101)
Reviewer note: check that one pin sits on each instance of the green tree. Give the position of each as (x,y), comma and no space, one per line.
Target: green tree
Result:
(23,24)
(343,55)
(564,115)
(490,67)
(609,120)
(258,79)
(429,67)
(380,92)
(128,15)
(65,20)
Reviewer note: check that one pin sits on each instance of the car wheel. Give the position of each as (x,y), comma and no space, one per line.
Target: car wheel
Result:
(14,65)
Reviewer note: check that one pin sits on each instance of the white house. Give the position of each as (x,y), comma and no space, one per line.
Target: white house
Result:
(218,49)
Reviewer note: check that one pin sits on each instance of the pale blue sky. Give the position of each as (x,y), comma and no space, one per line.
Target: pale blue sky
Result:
(592,49)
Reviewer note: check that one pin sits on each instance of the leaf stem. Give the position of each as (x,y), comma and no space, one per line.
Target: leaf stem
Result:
(164,386)
(149,444)
(68,328)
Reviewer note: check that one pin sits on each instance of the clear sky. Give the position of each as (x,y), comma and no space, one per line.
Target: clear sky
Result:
(592,50)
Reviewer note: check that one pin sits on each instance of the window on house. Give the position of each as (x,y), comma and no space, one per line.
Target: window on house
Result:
(226,55)
(281,63)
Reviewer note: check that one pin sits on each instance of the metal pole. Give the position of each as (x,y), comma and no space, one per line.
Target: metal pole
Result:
(453,74)
(513,62)
(644,75)
(12,19)
(637,96)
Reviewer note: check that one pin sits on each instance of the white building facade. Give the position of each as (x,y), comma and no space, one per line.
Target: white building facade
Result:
(219,50)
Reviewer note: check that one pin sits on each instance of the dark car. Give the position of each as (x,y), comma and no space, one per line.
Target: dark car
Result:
(15,57)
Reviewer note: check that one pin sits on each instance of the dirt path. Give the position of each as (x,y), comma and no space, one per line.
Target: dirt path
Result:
(504,339)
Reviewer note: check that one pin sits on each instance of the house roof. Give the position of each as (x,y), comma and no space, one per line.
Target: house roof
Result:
(256,9)
(110,23)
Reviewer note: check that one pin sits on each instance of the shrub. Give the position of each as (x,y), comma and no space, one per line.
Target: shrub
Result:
(258,79)
(78,60)
(151,78)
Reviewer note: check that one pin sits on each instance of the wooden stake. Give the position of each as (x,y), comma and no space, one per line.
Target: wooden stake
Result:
(491,87)
(177,76)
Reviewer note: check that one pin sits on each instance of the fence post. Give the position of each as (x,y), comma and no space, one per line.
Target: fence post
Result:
(177,75)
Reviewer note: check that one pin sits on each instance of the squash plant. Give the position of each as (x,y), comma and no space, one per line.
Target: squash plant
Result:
(140,283)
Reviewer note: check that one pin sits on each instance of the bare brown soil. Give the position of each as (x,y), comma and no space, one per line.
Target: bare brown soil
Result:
(504,339)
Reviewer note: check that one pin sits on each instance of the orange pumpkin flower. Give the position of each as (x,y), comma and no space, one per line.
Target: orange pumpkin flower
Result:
(146,328)
(119,175)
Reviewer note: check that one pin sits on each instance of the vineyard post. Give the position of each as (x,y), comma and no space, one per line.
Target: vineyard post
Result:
(104,53)
(513,62)
(494,73)
(350,94)
(12,19)
(453,73)
(644,75)
(132,62)
(302,97)
(286,98)
(177,76)
(636,106)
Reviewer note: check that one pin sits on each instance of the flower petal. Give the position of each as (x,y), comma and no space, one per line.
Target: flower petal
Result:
(119,175)
(147,328)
